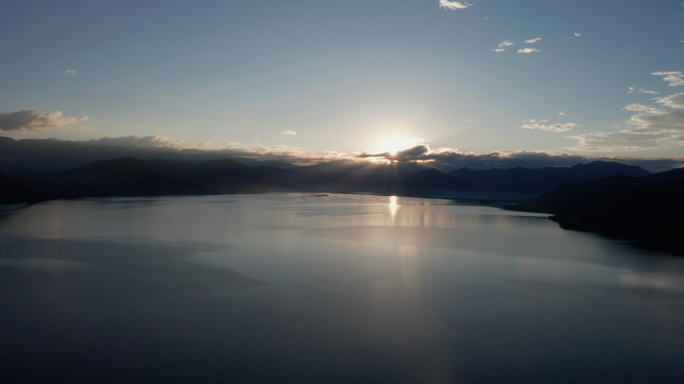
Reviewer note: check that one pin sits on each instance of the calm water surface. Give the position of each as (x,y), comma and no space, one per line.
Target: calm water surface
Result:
(338,289)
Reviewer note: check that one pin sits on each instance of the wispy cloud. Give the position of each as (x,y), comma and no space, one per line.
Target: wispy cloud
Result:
(532,41)
(578,34)
(655,128)
(631,89)
(675,78)
(641,108)
(81,127)
(454,5)
(71,71)
(643,90)
(529,50)
(553,128)
(498,50)
(29,120)
(292,133)
(506,44)
(561,114)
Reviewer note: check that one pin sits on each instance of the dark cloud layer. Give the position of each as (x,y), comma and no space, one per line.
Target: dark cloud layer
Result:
(449,159)
(35,155)
(49,155)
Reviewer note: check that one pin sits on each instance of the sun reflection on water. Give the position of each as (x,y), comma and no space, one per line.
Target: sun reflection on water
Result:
(393,206)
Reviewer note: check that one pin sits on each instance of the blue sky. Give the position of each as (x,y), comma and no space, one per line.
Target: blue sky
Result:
(349,76)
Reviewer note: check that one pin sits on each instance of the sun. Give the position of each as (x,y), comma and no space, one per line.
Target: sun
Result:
(396,145)
(392,147)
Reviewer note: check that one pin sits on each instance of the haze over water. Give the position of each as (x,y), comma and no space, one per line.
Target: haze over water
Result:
(328,289)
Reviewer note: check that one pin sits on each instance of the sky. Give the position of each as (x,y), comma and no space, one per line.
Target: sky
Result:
(340,78)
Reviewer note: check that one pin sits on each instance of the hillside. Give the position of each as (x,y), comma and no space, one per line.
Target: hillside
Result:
(649,209)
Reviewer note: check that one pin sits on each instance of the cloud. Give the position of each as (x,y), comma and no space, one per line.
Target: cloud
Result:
(447,159)
(81,127)
(553,128)
(631,89)
(155,141)
(673,101)
(532,41)
(655,128)
(29,120)
(675,78)
(454,5)
(626,140)
(561,114)
(643,90)
(46,157)
(290,133)
(84,118)
(164,147)
(641,108)
(506,44)
(578,34)
(528,50)
(71,71)
(498,50)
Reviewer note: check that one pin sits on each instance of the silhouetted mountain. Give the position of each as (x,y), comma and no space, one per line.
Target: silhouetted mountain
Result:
(135,177)
(431,181)
(513,180)
(523,180)
(649,208)
(596,192)
(129,176)
(667,176)
(121,177)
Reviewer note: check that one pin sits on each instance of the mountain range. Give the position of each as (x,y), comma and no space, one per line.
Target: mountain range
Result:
(128,176)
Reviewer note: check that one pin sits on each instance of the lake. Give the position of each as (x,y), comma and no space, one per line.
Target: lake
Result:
(287,288)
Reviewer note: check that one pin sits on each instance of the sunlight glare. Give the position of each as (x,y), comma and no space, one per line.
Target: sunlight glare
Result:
(393,148)
(393,206)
